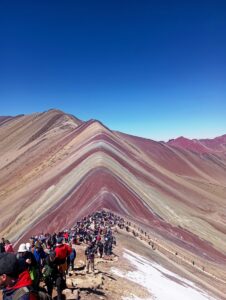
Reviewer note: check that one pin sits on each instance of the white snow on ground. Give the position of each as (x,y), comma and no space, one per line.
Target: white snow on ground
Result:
(132,297)
(161,283)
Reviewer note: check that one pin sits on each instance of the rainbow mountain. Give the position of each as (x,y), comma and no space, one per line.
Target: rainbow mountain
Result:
(56,168)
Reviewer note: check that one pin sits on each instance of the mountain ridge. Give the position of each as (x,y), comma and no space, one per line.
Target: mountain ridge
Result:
(216,145)
(56,168)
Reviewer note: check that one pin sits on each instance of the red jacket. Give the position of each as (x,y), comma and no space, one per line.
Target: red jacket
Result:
(66,235)
(24,280)
(63,251)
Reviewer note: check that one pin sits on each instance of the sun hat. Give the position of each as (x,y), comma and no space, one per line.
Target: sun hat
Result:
(28,246)
(22,248)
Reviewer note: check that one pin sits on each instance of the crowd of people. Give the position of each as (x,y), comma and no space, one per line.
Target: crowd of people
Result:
(47,258)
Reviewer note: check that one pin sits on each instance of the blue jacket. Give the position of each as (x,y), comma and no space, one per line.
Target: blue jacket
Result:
(73,254)
(39,255)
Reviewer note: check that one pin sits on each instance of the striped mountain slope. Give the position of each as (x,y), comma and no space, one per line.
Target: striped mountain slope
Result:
(55,169)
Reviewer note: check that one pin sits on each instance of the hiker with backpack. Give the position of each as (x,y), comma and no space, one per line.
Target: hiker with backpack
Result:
(62,252)
(52,275)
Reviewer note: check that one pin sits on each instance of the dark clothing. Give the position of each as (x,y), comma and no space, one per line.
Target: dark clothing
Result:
(73,254)
(90,254)
(35,272)
(22,261)
(53,277)
(39,255)
(9,264)
(60,285)
(50,268)
(71,259)
(2,248)
(101,248)
(90,251)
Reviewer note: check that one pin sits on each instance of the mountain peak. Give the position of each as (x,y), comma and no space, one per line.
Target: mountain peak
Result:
(217,144)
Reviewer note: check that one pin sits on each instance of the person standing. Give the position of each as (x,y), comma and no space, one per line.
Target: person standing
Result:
(28,262)
(52,276)
(71,259)
(90,256)
(62,252)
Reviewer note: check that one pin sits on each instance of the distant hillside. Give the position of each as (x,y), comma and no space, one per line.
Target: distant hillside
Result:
(216,145)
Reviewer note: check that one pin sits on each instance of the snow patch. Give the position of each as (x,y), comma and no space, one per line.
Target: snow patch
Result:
(132,297)
(161,283)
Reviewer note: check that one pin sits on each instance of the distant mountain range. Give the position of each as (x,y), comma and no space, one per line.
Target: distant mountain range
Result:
(55,169)
(216,145)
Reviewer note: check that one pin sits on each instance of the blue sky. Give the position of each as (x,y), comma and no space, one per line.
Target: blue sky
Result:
(150,68)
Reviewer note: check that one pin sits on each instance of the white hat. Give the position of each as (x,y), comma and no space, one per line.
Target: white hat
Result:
(28,246)
(22,248)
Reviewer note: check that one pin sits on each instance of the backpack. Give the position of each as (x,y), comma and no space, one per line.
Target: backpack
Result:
(48,271)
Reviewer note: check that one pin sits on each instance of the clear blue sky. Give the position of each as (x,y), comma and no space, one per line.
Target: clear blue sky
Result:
(150,68)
